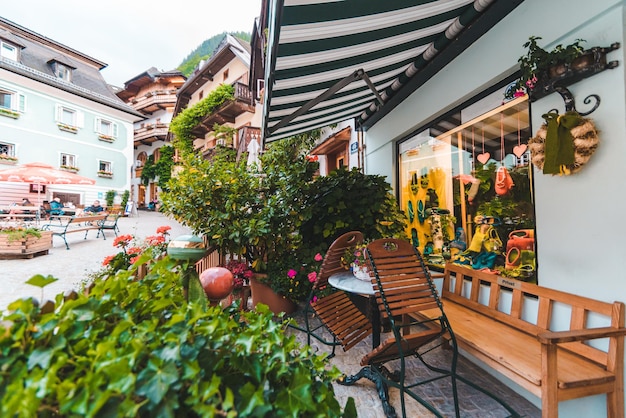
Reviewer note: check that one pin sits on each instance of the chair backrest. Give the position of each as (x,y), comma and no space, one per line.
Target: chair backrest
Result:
(332,259)
(401,281)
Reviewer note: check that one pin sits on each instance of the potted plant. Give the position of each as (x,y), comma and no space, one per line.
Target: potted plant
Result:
(19,242)
(109,198)
(539,64)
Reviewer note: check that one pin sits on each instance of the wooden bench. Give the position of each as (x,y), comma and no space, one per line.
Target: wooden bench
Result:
(33,212)
(71,224)
(539,337)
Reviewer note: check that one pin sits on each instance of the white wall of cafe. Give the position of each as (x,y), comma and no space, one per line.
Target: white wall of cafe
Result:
(581,225)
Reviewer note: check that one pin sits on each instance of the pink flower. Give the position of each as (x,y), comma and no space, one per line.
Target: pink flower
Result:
(318,257)
(518,93)
(312,276)
(292,273)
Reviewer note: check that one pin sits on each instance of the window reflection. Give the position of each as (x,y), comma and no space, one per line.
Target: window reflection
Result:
(467,192)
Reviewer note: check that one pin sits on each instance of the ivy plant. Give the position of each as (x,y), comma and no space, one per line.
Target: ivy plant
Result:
(161,169)
(182,125)
(136,348)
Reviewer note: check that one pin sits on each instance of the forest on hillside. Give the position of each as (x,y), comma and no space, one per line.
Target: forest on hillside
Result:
(205,50)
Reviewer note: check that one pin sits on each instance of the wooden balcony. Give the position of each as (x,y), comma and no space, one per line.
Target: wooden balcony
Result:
(154,100)
(150,133)
(246,134)
(228,111)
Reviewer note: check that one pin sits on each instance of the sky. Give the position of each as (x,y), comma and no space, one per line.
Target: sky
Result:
(132,35)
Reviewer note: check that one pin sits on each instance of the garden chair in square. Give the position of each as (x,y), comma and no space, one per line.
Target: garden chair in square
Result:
(403,289)
(334,309)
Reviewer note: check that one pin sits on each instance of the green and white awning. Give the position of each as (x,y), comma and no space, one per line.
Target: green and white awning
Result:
(334,60)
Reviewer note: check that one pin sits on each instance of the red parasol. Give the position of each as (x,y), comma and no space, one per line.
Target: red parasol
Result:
(40,173)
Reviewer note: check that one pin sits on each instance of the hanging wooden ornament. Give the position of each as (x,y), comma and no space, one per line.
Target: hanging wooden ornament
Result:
(520,148)
(485,156)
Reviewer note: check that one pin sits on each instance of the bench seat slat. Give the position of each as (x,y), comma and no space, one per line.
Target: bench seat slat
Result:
(519,352)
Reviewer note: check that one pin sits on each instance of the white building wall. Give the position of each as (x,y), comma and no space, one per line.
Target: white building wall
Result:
(579,218)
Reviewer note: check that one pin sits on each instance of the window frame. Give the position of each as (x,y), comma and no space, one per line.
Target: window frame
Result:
(17,99)
(4,45)
(105,167)
(10,149)
(77,116)
(110,132)
(68,160)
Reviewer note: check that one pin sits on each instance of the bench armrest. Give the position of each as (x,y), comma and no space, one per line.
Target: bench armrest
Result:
(557,337)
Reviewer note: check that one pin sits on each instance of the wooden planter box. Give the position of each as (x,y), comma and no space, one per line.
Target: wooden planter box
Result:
(28,247)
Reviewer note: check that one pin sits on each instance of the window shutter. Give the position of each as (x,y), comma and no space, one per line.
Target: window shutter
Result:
(96,125)
(115,130)
(58,109)
(80,119)
(21,103)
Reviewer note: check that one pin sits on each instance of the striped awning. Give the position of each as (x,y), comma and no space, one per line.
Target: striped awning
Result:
(334,60)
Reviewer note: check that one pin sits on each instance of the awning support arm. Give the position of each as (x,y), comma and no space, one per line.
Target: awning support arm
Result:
(356,75)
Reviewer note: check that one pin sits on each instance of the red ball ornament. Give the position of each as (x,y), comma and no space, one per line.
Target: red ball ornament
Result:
(217,282)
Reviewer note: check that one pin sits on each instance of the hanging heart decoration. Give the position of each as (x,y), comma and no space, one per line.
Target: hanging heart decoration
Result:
(483,158)
(519,150)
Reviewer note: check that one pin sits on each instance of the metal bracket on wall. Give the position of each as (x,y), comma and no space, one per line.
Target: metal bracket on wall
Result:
(591,62)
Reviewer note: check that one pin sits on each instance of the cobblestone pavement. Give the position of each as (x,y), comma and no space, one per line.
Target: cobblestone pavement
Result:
(72,266)
(473,403)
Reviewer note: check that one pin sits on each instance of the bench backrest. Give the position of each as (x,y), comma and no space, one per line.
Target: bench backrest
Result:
(94,218)
(531,308)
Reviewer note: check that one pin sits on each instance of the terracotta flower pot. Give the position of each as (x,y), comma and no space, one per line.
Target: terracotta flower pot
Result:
(262,293)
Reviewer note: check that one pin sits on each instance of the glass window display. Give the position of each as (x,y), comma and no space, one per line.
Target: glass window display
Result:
(466,188)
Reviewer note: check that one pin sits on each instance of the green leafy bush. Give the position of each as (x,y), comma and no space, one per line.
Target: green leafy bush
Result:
(137,348)
(346,201)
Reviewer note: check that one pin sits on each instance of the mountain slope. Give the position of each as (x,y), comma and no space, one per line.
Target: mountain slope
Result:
(205,50)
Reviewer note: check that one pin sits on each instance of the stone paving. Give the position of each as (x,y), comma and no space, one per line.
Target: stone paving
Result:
(72,266)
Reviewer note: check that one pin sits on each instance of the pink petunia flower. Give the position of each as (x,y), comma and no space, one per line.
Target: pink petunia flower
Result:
(312,276)
(292,273)
(318,257)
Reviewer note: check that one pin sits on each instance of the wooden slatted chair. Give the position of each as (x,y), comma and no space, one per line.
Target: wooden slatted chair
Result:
(404,288)
(334,309)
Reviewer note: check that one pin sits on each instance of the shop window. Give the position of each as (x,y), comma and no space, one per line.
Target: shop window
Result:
(466,188)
